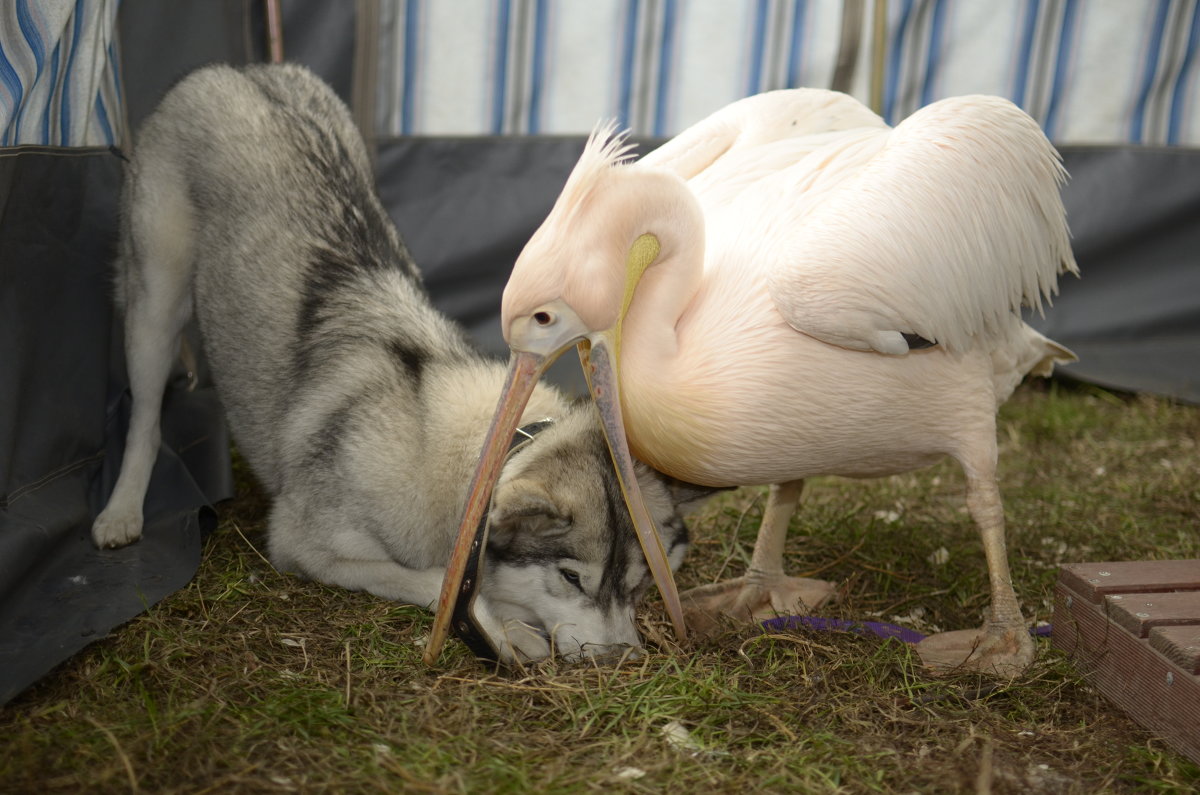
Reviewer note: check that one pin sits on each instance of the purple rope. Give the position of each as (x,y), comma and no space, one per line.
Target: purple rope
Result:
(818,624)
(878,628)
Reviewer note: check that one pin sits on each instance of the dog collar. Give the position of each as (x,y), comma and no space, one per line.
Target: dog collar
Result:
(524,435)
(462,620)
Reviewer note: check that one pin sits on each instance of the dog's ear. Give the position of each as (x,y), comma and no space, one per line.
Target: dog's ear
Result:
(523,506)
(685,497)
(689,497)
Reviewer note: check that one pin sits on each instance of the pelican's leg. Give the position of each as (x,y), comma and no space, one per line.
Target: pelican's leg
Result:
(765,591)
(787,595)
(1003,645)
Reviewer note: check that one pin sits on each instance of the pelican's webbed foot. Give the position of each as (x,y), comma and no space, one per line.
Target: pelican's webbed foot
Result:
(754,597)
(1003,650)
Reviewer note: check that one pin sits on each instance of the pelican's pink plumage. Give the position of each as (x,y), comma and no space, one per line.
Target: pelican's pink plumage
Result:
(796,242)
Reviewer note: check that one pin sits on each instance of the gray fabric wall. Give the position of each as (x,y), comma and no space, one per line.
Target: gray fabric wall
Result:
(1134,315)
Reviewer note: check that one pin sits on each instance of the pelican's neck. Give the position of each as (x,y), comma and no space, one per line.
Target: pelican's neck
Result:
(666,290)
(655,395)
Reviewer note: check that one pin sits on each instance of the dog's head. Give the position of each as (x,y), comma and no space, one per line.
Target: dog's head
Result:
(564,570)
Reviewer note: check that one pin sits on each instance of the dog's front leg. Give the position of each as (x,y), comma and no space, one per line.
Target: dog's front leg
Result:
(152,328)
(156,269)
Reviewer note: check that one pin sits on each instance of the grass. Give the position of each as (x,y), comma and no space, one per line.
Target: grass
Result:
(251,681)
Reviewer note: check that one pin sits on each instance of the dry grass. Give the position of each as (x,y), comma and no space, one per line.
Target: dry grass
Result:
(256,682)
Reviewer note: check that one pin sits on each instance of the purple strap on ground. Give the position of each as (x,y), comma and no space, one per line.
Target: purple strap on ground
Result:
(878,628)
(819,624)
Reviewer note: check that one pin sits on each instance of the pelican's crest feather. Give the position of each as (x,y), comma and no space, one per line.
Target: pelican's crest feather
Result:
(606,147)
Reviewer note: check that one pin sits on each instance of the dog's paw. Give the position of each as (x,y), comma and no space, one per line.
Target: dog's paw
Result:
(116,528)
(516,641)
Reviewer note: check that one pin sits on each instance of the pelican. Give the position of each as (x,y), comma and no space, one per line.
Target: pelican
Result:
(792,288)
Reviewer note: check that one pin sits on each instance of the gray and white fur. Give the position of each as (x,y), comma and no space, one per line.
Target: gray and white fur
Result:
(250,201)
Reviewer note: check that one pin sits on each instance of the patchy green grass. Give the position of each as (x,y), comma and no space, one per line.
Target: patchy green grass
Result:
(251,681)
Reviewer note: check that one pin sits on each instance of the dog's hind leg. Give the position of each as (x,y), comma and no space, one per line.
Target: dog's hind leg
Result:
(311,537)
(155,276)
(385,579)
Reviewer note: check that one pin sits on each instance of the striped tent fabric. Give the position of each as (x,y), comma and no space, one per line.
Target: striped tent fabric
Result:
(1090,71)
(59,73)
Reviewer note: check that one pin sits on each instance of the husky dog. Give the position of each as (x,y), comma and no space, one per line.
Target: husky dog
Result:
(250,200)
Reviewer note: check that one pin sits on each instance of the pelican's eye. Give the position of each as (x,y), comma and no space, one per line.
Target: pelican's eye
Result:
(543,318)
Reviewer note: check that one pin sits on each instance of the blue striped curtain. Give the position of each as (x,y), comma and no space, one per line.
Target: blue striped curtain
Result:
(1090,71)
(59,78)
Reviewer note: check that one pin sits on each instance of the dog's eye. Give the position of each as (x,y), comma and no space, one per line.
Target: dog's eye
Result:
(571,576)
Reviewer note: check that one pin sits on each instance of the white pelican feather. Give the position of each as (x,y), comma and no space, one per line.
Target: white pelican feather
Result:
(861,249)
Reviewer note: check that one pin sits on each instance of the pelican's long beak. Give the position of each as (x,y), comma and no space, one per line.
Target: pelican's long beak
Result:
(600,364)
(524,370)
(598,354)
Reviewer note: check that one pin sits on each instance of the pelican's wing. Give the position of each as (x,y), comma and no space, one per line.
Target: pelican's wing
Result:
(944,230)
(758,120)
